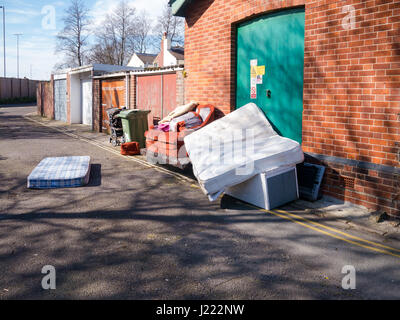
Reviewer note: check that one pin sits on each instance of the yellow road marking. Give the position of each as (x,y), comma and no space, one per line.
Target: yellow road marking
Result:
(338,231)
(330,234)
(328,228)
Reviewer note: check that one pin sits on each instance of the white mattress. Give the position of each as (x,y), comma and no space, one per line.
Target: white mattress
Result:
(223,154)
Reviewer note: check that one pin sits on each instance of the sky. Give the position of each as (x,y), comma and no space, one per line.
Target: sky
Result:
(39,21)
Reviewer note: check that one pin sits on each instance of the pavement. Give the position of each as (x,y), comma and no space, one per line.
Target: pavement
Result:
(139,231)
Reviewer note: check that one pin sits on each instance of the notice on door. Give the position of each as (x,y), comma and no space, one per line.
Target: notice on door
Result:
(253,79)
(256,77)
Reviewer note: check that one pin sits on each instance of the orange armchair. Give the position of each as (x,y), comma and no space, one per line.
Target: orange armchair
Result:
(169,147)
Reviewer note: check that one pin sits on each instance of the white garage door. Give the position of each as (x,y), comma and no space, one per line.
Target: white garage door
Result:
(87,106)
(60,100)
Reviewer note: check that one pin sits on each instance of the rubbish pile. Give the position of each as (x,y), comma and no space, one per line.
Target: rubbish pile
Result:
(242,155)
(183,117)
(165,141)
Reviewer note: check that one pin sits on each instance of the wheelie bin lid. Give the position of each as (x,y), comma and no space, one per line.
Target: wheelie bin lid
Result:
(128,114)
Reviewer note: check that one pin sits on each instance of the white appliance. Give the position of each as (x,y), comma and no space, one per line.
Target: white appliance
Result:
(268,190)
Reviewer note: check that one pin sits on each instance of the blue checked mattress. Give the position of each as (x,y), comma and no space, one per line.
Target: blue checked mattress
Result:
(63,172)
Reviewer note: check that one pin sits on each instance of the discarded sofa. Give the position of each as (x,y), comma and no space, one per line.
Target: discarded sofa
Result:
(165,142)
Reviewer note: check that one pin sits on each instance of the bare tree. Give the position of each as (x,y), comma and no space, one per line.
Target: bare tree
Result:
(173,26)
(112,40)
(102,53)
(140,40)
(73,39)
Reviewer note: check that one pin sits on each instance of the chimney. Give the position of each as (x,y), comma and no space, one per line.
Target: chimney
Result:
(166,42)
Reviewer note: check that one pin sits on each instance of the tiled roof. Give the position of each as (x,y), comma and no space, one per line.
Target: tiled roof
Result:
(178,53)
(146,57)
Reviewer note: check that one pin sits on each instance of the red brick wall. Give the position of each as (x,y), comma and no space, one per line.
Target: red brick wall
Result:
(351,85)
(132,93)
(97,111)
(374,189)
(45,99)
(180,88)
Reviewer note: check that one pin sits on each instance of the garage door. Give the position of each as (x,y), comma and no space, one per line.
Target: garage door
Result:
(156,93)
(113,96)
(270,64)
(60,100)
(87,106)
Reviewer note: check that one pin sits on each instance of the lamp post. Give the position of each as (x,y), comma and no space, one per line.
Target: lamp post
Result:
(18,35)
(4,38)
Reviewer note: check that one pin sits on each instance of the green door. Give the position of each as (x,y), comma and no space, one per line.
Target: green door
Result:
(274,45)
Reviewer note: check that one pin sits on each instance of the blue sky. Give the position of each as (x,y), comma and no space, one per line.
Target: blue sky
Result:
(32,18)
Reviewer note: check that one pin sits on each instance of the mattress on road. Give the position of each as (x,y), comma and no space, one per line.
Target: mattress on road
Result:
(61,172)
(237,147)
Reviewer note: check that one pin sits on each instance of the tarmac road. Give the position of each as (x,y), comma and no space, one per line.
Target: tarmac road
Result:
(138,233)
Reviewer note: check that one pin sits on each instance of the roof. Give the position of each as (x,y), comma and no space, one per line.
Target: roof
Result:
(159,69)
(147,57)
(178,7)
(104,68)
(178,53)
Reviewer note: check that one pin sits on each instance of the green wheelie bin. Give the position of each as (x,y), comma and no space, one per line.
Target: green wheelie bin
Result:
(135,124)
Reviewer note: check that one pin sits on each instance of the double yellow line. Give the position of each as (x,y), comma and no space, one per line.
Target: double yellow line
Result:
(334,233)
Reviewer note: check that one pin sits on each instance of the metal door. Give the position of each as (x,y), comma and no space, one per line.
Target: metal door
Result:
(113,96)
(60,100)
(169,93)
(270,68)
(87,106)
(149,96)
(157,93)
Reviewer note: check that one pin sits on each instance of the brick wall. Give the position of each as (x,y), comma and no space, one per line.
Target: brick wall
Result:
(45,99)
(180,88)
(39,105)
(97,111)
(351,114)
(132,92)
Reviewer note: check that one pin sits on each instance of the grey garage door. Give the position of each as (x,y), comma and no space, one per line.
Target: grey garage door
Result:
(60,100)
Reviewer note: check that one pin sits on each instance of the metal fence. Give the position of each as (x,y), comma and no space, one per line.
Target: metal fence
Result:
(11,88)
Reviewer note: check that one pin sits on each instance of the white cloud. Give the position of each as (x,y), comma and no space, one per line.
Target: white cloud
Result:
(26,12)
(101,8)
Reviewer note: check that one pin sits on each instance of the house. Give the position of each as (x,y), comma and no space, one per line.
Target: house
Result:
(169,56)
(325,74)
(142,60)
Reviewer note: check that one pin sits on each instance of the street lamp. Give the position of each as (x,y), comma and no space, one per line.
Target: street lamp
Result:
(4,38)
(18,35)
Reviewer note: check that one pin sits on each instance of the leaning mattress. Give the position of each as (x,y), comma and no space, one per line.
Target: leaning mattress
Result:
(237,147)
(62,172)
